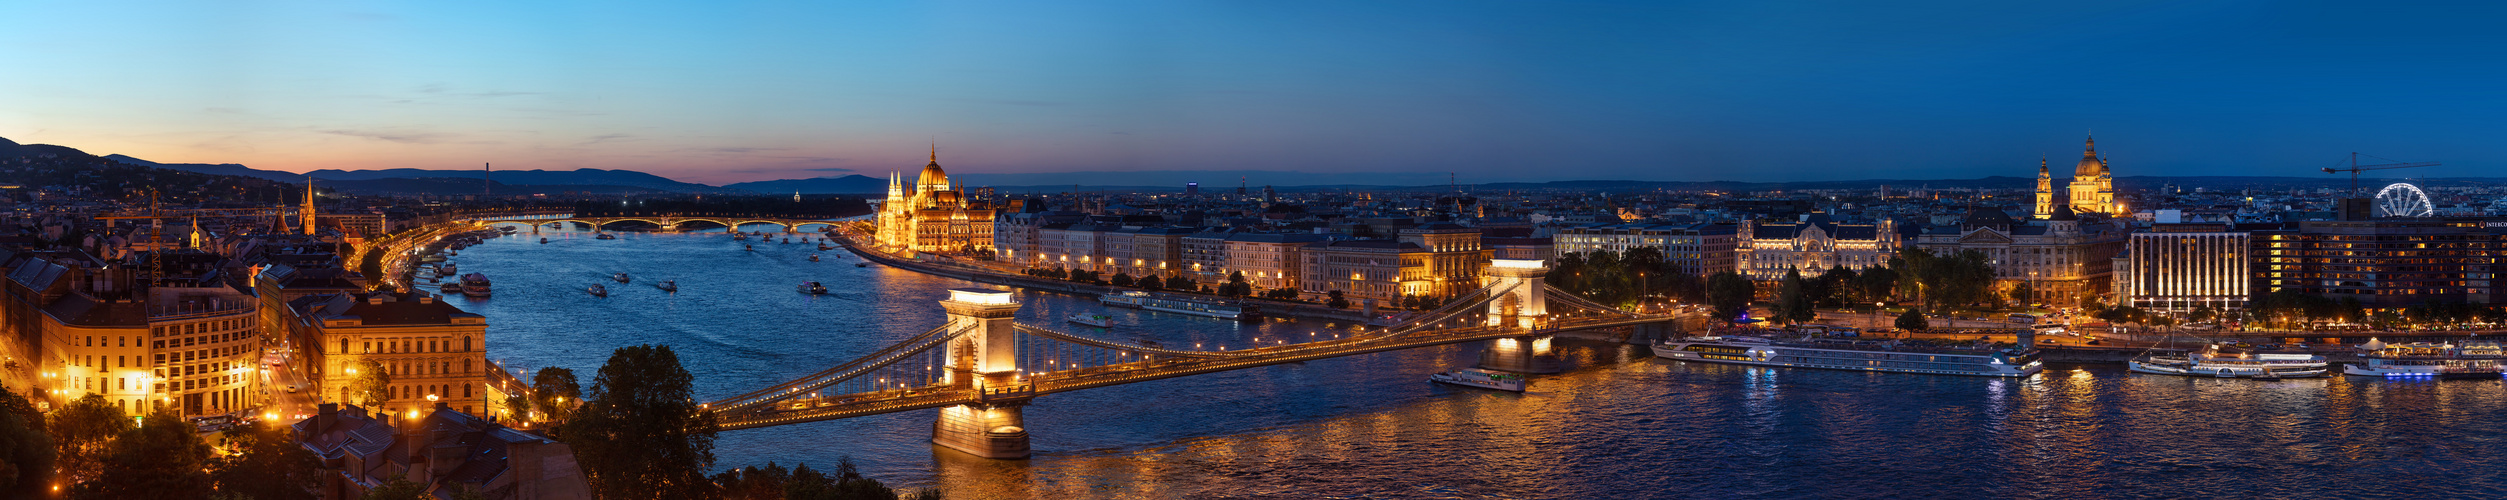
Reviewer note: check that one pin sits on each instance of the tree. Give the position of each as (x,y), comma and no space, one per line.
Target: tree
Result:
(1729,295)
(1793,300)
(1913,321)
(1122,279)
(640,433)
(555,392)
(159,459)
(2024,293)
(26,452)
(1835,288)
(2202,314)
(1335,301)
(84,430)
(1151,283)
(1877,284)
(369,384)
(1185,284)
(271,466)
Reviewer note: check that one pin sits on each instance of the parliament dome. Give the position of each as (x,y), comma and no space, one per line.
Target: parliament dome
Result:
(933,179)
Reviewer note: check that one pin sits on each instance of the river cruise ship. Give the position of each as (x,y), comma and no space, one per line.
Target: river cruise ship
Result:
(1484,379)
(2211,361)
(2474,360)
(1143,300)
(475,285)
(1855,354)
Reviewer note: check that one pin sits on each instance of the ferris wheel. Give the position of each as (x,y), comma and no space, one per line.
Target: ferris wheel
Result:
(2402,199)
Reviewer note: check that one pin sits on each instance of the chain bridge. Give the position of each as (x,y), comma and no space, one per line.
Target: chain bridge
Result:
(981,367)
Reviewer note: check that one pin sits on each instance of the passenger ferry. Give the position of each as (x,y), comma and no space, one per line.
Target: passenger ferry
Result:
(1095,320)
(2210,361)
(1850,354)
(1143,300)
(474,284)
(1484,379)
(2474,360)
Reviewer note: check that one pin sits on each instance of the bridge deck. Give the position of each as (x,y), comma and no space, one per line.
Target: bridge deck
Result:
(802,410)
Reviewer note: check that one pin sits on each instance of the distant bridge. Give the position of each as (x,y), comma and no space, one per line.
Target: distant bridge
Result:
(670,222)
(981,367)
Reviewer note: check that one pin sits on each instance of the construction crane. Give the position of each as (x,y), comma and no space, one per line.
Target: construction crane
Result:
(2355,168)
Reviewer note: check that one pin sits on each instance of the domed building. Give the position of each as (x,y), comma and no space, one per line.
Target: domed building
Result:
(933,217)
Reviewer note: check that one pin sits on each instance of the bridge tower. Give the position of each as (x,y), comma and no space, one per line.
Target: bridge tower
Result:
(1524,308)
(984,360)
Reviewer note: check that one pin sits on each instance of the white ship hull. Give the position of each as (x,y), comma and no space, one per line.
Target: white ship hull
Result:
(1986,365)
(1480,379)
(2220,371)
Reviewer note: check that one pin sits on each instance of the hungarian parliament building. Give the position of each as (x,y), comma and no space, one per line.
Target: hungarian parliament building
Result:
(932,217)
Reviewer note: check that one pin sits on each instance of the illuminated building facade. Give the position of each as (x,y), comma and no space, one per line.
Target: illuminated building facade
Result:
(2175,268)
(933,217)
(2063,258)
(2385,263)
(1764,252)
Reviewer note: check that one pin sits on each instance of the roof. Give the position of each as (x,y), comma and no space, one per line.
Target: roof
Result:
(409,308)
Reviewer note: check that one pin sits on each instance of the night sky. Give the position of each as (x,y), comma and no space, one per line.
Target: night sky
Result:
(723,92)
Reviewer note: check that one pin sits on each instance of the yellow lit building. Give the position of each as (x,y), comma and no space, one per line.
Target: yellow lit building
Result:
(2092,188)
(434,352)
(933,217)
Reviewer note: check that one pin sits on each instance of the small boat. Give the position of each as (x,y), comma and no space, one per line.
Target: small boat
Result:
(1484,379)
(506,229)
(787,241)
(1095,320)
(475,285)
(598,291)
(823,247)
(739,236)
(620,277)
(605,236)
(813,257)
(668,286)
(448,268)
(861,264)
(813,288)
(450,288)
(748,248)
(543,240)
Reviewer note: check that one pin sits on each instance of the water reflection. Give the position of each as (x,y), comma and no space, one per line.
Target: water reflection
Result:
(1622,424)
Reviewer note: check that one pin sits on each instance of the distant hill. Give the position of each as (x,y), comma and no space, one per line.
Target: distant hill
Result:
(452,186)
(581,176)
(850,184)
(577,177)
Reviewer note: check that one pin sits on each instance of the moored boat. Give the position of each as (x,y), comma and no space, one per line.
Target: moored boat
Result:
(449,288)
(2474,360)
(2212,361)
(1885,355)
(1481,378)
(1095,320)
(475,285)
(1144,300)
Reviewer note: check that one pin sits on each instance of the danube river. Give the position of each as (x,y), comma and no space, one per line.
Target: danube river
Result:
(1621,424)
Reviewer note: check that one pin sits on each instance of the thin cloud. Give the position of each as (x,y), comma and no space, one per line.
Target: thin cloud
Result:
(734,150)
(827,170)
(390,136)
(606,138)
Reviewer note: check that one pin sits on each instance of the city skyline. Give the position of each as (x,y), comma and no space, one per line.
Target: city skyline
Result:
(1492,92)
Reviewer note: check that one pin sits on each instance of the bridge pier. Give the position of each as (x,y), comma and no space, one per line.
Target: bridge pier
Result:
(984,360)
(1527,354)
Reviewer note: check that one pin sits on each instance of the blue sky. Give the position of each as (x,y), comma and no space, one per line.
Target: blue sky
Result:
(1496,91)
